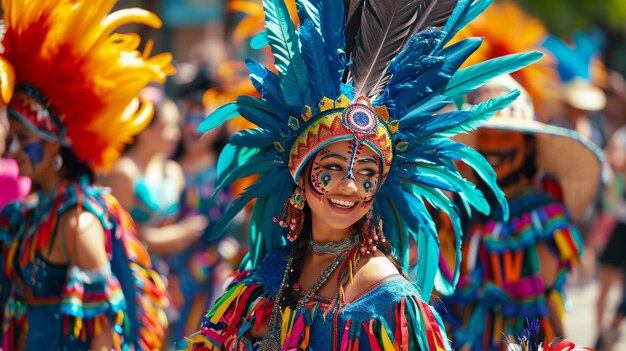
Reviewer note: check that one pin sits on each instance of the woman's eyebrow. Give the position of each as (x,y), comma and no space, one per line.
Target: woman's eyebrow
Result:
(332,154)
(368,160)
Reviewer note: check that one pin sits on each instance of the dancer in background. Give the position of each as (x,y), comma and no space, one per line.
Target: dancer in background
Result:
(73,275)
(344,170)
(150,185)
(513,270)
(196,274)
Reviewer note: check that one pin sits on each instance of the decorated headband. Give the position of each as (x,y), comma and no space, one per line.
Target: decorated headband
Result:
(76,81)
(341,120)
(32,108)
(401,72)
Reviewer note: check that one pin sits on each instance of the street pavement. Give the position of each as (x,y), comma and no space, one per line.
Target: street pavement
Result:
(580,321)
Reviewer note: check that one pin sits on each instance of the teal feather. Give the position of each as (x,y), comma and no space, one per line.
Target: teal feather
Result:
(421,229)
(441,202)
(259,41)
(218,117)
(433,124)
(310,10)
(393,225)
(482,168)
(252,192)
(466,80)
(257,164)
(481,112)
(254,138)
(450,180)
(233,156)
(464,12)
(256,243)
(437,199)
(283,39)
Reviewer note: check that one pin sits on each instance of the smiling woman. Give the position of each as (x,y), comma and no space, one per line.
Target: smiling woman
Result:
(346,157)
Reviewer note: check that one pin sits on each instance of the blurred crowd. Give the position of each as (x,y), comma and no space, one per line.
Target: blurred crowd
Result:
(167,177)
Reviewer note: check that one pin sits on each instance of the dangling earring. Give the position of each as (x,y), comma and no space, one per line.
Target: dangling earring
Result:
(371,233)
(57,162)
(292,216)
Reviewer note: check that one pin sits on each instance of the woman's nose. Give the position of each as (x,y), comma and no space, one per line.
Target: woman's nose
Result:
(348,186)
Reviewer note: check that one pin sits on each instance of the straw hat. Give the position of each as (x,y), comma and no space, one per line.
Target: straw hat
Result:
(561,152)
(583,95)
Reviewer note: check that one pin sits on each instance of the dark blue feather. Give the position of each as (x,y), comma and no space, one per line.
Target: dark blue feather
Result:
(267,84)
(259,112)
(332,30)
(254,138)
(319,77)
(309,10)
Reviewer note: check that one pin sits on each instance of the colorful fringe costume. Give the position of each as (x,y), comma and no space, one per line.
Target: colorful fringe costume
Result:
(386,99)
(76,82)
(390,315)
(503,284)
(51,306)
(501,288)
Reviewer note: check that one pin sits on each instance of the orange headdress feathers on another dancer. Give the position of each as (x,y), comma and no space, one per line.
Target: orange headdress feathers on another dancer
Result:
(506,30)
(75,81)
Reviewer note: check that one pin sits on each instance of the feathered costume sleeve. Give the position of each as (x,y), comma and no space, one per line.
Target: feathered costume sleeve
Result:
(70,78)
(127,296)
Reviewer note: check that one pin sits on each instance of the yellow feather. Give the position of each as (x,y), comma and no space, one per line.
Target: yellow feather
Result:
(7,81)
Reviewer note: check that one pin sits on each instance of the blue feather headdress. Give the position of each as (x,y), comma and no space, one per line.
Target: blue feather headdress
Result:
(574,64)
(400,82)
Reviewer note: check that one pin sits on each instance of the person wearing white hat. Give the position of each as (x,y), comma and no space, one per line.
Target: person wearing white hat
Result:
(513,269)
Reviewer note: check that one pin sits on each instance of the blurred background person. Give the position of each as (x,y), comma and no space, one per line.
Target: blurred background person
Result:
(197,273)
(580,104)
(513,270)
(150,185)
(612,258)
(72,274)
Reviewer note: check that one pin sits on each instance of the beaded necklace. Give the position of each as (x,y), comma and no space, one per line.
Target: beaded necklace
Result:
(272,342)
(332,247)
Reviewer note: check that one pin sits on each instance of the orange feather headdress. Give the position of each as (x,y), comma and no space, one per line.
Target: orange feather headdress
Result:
(75,81)
(506,30)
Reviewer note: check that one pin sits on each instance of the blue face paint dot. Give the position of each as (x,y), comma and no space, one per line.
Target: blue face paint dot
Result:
(367,185)
(326,179)
(361,119)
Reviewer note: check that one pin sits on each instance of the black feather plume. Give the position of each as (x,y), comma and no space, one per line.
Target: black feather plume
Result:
(377,30)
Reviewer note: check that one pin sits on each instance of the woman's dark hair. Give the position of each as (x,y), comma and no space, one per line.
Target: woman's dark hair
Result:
(73,168)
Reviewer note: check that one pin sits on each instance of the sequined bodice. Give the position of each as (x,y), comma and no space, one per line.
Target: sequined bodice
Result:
(40,279)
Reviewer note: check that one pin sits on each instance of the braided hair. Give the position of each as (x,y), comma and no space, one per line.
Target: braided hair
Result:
(298,252)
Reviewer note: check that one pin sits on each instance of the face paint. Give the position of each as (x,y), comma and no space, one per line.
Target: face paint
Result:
(368,188)
(35,152)
(318,185)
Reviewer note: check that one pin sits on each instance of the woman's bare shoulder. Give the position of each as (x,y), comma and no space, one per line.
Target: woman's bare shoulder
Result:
(372,270)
